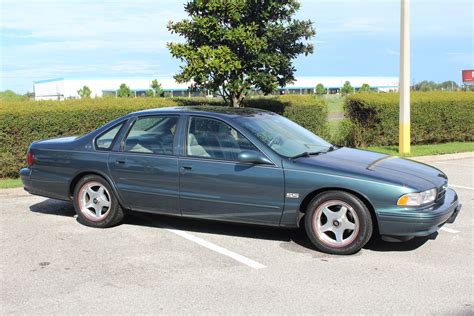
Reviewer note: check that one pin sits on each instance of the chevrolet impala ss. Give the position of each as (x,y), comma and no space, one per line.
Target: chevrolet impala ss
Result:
(240,165)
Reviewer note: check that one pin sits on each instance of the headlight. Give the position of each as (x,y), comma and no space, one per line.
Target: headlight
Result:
(417,199)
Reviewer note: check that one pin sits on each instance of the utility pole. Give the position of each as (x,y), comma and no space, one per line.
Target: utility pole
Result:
(404,132)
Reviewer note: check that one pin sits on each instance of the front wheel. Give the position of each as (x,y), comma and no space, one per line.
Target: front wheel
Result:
(96,204)
(338,223)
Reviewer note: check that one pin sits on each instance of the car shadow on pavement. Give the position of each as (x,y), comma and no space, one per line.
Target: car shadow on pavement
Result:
(377,244)
(297,236)
(208,226)
(54,207)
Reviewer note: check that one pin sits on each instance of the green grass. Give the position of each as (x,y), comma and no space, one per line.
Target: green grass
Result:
(335,103)
(10,183)
(333,128)
(425,150)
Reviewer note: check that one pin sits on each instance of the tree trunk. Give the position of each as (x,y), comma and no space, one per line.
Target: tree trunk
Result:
(235,102)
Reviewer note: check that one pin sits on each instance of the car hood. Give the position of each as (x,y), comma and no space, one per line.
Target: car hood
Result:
(367,164)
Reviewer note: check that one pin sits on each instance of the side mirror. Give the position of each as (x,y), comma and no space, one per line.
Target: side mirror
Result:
(255,157)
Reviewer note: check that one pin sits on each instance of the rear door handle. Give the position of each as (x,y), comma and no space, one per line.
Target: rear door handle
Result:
(187,168)
(120,162)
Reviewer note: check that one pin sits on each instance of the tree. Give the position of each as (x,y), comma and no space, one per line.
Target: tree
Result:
(365,88)
(347,88)
(10,95)
(150,93)
(232,46)
(448,85)
(29,95)
(84,92)
(431,86)
(156,88)
(124,91)
(320,90)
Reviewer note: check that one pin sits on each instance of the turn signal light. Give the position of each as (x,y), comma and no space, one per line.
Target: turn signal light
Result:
(30,158)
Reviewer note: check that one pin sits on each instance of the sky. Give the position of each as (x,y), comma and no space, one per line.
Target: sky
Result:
(97,39)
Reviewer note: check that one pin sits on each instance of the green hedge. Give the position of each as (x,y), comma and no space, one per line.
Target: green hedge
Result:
(436,117)
(22,122)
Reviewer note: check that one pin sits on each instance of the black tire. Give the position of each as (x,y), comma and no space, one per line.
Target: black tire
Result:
(111,215)
(323,237)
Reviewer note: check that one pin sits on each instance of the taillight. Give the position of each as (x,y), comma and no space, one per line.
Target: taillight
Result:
(30,158)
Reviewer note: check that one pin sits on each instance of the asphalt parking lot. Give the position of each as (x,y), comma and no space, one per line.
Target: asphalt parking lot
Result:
(157,264)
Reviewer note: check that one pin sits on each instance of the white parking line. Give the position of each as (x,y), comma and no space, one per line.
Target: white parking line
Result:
(218,249)
(460,187)
(449,230)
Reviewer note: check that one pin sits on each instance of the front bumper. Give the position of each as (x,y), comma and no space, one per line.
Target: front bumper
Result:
(420,222)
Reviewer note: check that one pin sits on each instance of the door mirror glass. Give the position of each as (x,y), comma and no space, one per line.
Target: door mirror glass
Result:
(252,156)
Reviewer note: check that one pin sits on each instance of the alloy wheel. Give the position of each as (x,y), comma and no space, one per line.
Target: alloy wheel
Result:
(335,223)
(94,201)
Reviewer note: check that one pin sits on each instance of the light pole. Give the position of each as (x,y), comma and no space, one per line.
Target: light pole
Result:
(404,139)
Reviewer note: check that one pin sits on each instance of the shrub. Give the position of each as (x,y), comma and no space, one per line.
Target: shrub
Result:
(22,122)
(306,110)
(436,117)
(345,134)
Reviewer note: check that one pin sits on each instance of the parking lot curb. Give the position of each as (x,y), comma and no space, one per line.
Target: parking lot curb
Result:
(446,157)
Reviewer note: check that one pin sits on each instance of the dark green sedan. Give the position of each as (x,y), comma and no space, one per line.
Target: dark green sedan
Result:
(240,165)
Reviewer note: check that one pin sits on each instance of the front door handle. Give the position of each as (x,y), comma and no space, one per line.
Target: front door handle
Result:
(187,168)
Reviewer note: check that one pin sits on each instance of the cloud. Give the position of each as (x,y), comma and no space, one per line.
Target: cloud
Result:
(133,45)
(43,39)
(55,38)
(460,57)
(363,25)
(393,52)
(74,20)
(129,68)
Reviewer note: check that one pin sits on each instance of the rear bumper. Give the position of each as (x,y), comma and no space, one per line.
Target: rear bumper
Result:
(50,189)
(420,222)
(25,175)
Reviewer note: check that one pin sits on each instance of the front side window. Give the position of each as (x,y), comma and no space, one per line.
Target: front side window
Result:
(106,140)
(152,135)
(215,139)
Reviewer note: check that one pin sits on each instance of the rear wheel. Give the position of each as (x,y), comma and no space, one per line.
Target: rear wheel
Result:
(96,204)
(338,223)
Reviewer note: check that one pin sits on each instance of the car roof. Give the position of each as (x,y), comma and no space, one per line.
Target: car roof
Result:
(223,111)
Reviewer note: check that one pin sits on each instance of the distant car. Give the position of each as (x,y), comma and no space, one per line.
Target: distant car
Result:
(240,165)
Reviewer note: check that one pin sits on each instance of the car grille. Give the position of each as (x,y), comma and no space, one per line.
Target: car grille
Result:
(441,192)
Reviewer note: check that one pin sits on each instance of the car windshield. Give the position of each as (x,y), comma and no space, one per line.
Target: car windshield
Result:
(282,135)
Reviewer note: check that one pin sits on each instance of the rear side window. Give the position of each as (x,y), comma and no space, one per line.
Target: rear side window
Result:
(152,135)
(106,140)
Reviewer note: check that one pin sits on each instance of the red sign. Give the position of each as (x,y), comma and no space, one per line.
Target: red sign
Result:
(468,76)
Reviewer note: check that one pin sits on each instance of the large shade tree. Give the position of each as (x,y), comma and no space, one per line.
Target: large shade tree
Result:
(232,46)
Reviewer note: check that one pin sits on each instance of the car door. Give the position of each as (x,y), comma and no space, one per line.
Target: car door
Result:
(213,184)
(145,169)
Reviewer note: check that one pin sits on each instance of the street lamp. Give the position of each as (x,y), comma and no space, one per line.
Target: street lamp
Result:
(404,85)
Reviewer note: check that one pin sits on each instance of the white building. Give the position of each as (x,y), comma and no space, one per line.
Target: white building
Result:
(67,88)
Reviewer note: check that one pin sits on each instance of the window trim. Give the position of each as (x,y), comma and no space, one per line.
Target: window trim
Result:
(112,144)
(185,141)
(136,119)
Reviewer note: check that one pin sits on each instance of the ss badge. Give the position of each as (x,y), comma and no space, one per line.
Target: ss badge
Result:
(293,195)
